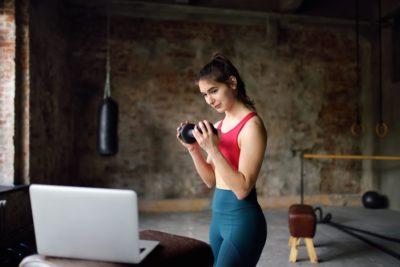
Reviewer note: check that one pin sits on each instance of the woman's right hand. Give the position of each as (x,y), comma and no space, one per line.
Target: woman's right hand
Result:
(189,147)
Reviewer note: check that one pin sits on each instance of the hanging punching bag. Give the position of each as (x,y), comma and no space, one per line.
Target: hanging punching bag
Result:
(107,135)
(107,131)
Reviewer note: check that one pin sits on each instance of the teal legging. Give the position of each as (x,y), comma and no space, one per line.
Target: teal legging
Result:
(238,229)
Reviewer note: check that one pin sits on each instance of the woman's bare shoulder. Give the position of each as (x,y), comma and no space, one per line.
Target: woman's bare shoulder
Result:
(255,124)
(253,130)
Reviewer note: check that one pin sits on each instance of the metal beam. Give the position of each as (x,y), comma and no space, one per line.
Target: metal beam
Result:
(141,9)
(352,157)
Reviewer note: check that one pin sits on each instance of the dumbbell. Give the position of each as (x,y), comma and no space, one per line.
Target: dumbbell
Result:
(186,132)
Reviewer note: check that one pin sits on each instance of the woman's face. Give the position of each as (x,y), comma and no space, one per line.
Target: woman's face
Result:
(218,95)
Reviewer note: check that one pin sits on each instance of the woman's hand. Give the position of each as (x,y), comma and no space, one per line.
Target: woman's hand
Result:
(206,139)
(190,147)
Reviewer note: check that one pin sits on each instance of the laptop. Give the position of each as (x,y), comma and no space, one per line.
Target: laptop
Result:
(88,223)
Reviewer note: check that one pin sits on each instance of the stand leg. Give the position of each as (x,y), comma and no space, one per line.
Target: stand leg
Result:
(290,241)
(293,250)
(311,250)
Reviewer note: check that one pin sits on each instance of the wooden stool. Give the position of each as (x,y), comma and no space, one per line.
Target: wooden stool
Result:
(302,224)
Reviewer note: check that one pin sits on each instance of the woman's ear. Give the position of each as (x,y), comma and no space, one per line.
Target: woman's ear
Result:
(233,82)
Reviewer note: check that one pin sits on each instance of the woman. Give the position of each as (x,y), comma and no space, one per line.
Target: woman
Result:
(238,228)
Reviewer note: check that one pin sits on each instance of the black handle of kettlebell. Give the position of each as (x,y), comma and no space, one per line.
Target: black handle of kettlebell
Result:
(215,131)
(186,132)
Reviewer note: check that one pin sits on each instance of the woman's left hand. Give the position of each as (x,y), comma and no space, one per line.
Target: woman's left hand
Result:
(207,139)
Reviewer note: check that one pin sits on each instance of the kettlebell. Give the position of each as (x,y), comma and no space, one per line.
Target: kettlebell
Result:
(186,132)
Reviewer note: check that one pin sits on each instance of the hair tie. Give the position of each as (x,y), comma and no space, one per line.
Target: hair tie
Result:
(219,57)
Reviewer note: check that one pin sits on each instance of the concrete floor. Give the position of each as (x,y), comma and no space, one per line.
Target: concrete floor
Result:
(334,248)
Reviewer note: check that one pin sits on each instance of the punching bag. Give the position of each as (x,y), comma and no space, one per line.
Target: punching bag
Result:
(107,125)
(107,132)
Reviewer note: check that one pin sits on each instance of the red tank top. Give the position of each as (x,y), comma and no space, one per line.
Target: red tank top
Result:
(228,144)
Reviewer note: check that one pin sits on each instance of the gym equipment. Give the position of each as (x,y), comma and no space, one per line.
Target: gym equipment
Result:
(302,224)
(107,137)
(107,131)
(344,156)
(186,132)
(381,128)
(374,200)
(341,157)
(351,231)
(347,229)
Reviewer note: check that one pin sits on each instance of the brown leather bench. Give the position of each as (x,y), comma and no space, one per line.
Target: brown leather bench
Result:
(173,250)
(302,224)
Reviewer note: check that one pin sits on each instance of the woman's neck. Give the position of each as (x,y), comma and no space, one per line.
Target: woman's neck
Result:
(237,111)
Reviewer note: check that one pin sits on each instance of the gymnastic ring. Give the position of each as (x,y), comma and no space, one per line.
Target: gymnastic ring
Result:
(356,129)
(381,129)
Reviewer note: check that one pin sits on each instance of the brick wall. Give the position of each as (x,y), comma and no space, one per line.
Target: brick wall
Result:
(303,83)
(7,92)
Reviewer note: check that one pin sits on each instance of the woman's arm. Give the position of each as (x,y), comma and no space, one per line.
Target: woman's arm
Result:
(204,169)
(253,141)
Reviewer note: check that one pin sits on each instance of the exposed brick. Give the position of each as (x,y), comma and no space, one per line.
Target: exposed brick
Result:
(7,91)
(155,92)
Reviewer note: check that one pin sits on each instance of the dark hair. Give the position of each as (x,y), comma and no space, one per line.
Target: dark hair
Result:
(220,69)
